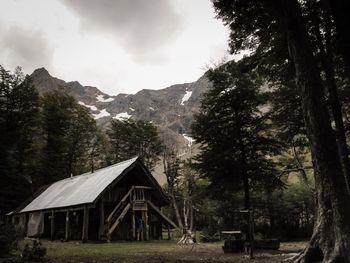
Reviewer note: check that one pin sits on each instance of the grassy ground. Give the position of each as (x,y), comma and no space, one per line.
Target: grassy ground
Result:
(155,251)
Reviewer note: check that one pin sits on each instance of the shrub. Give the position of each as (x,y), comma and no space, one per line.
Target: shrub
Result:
(36,252)
(8,239)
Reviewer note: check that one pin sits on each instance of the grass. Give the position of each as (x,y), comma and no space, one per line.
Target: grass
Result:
(110,250)
(155,252)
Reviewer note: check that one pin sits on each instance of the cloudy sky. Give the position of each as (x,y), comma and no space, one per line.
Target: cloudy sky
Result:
(116,45)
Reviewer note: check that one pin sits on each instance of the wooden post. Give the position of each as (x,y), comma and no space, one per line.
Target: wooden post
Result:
(67,226)
(85,234)
(133,224)
(52,225)
(169,236)
(146,224)
(102,220)
(160,230)
(251,234)
(142,234)
(25,224)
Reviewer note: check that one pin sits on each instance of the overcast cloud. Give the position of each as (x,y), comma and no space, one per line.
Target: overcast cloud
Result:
(27,48)
(119,46)
(141,26)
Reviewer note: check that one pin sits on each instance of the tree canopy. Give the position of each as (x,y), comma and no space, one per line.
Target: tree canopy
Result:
(130,138)
(233,130)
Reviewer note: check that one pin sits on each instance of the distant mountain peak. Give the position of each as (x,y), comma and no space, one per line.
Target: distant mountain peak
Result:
(41,71)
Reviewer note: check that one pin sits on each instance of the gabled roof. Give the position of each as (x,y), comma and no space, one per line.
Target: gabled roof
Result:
(81,189)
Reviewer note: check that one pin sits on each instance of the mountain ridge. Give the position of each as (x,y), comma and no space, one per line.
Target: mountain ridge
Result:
(171,109)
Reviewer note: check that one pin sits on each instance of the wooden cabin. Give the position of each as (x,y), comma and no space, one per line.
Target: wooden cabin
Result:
(118,202)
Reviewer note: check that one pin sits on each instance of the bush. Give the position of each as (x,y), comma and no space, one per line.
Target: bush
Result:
(36,252)
(8,239)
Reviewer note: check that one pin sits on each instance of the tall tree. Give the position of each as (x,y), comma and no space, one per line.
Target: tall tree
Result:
(19,109)
(68,129)
(130,138)
(286,19)
(236,146)
(171,165)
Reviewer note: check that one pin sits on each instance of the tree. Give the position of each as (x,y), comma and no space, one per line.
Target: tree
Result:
(171,165)
(181,188)
(130,138)
(99,152)
(236,145)
(328,238)
(285,18)
(68,129)
(19,109)
(80,135)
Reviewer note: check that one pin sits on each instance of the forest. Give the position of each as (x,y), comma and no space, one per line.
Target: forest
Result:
(272,133)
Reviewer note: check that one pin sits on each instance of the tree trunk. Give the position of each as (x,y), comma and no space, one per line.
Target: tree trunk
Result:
(247,205)
(327,63)
(170,180)
(176,211)
(185,213)
(330,241)
(191,215)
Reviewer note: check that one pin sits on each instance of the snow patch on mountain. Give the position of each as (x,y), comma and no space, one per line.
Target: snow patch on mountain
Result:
(132,109)
(91,107)
(186,97)
(103,113)
(122,116)
(101,98)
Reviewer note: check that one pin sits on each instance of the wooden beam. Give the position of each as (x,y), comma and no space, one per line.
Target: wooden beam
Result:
(143,229)
(119,219)
(85,232)
(133,225)
(164,217)
(67,226)
(143,187)
(52,217)
(169,236)
(146,223)
(102,219)
(24,220)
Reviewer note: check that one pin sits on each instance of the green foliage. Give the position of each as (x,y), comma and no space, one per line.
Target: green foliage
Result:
(130,138)
(19,111)
(8,238)
(234,132)
(288,212)
(41,139)
(69,130)
(34,252)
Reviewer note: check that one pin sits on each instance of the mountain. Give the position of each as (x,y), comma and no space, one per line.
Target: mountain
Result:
(170,109)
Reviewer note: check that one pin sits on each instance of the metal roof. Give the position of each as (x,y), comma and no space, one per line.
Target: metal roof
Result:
(77,190)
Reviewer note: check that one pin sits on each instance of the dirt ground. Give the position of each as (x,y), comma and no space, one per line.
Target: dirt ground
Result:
(155,252)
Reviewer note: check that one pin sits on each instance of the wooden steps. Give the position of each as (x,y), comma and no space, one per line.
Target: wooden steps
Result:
(119,219)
